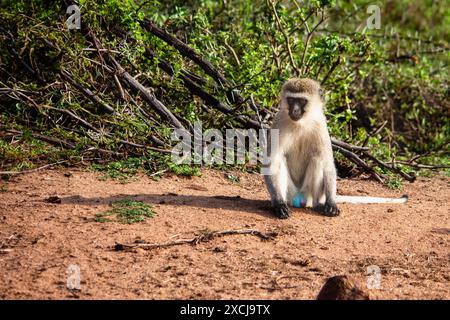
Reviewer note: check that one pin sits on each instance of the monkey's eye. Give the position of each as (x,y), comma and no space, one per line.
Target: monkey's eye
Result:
(299,102)
(291,101)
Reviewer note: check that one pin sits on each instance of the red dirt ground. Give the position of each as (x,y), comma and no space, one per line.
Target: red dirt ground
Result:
(39,240)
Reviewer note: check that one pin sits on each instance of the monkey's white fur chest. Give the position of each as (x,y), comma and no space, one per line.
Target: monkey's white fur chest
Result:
(307,150)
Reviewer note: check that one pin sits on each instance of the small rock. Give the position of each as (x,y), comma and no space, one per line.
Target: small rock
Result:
(301,263)
(342,288)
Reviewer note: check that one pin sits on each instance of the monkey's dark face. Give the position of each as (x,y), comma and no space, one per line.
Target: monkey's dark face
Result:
(296,107)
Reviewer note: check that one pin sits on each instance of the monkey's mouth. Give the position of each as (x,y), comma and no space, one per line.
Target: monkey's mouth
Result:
(295,115)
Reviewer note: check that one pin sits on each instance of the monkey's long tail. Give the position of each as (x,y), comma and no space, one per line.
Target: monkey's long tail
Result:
(363,199)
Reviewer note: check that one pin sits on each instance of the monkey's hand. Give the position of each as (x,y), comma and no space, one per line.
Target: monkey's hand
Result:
(282,210)
(328,209)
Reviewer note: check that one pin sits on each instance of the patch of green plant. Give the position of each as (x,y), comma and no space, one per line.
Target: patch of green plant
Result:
(394,182)
(123,170)
(126,211)
(24,153)
(184,170)
(126,170)
(233,178)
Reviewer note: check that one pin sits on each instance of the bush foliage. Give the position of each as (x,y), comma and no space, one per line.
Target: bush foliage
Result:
(386,88)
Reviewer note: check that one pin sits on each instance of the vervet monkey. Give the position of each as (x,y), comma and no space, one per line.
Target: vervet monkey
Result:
(303,163)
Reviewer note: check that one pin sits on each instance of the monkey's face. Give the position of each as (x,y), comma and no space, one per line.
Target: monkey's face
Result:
(296,107)
(302,98)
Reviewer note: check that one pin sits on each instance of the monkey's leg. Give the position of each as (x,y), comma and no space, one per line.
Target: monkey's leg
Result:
(329,208)
(277,184)
(312,184)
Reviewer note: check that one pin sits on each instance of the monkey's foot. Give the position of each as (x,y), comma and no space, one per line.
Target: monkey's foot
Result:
(282,210)
(328,209)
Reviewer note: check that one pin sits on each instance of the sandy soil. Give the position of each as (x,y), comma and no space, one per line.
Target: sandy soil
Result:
(40,240)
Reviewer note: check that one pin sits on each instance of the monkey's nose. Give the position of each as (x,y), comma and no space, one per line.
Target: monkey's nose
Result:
(295,113)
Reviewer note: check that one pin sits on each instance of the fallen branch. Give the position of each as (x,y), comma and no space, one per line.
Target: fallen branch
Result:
(83,122)
(204,237)
(51,140)
(87,125)
(18,57)
(423,166)
(358,161)
(120,71)
(195,89)
(190,53)
(348,146)
(382,164)
(31,170)
(87,93)
(61,143)
(185,50)
(149,97)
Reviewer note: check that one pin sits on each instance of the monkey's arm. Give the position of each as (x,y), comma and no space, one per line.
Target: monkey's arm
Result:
(277,184)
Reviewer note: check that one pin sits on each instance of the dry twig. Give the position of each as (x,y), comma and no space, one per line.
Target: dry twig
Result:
(204,237)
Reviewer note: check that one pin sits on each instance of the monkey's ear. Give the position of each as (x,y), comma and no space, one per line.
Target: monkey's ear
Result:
(321,94)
